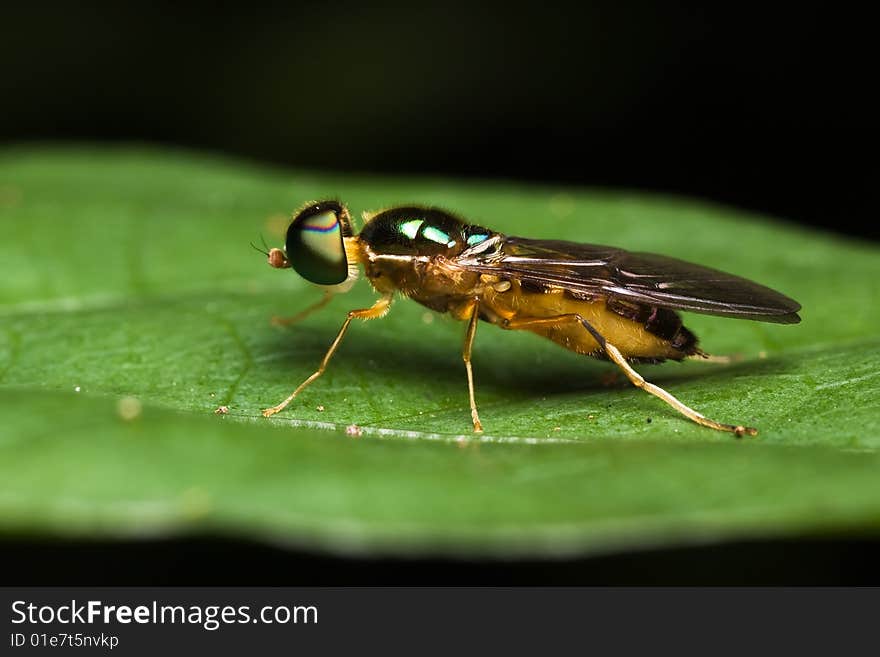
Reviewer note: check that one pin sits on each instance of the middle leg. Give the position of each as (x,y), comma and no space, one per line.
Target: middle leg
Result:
(466,356)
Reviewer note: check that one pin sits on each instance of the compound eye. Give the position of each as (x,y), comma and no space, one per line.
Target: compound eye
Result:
(314,245)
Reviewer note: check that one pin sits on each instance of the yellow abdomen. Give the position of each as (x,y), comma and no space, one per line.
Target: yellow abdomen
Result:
(630,336)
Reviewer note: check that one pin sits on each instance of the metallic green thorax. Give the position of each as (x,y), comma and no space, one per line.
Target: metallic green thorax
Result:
(420,231)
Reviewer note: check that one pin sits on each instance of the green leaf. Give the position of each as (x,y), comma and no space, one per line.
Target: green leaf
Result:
(132,307)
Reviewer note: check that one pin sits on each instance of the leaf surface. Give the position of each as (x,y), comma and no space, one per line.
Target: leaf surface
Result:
(127,273)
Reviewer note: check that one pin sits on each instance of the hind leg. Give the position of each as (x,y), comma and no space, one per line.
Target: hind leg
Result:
(635,378)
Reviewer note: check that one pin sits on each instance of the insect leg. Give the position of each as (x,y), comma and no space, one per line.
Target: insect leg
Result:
(466,356)
(634,377)
(657,391)
(287,321)
(703,357)
(378,309)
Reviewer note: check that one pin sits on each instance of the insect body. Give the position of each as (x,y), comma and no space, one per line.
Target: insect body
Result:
(595,300)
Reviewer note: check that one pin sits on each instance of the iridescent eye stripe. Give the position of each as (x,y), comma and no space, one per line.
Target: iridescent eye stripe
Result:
(322,229)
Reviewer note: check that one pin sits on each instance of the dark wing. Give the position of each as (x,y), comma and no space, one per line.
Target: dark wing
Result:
(656,280)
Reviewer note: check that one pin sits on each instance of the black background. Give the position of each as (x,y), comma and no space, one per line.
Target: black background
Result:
(765,107)
(211,561)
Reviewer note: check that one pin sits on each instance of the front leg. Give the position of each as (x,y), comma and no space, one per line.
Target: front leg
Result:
(378,309)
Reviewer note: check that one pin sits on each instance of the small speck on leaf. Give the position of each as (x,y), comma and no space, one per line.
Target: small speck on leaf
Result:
(129,408)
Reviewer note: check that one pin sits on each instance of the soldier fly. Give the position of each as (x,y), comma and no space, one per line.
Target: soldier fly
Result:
(594,300)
